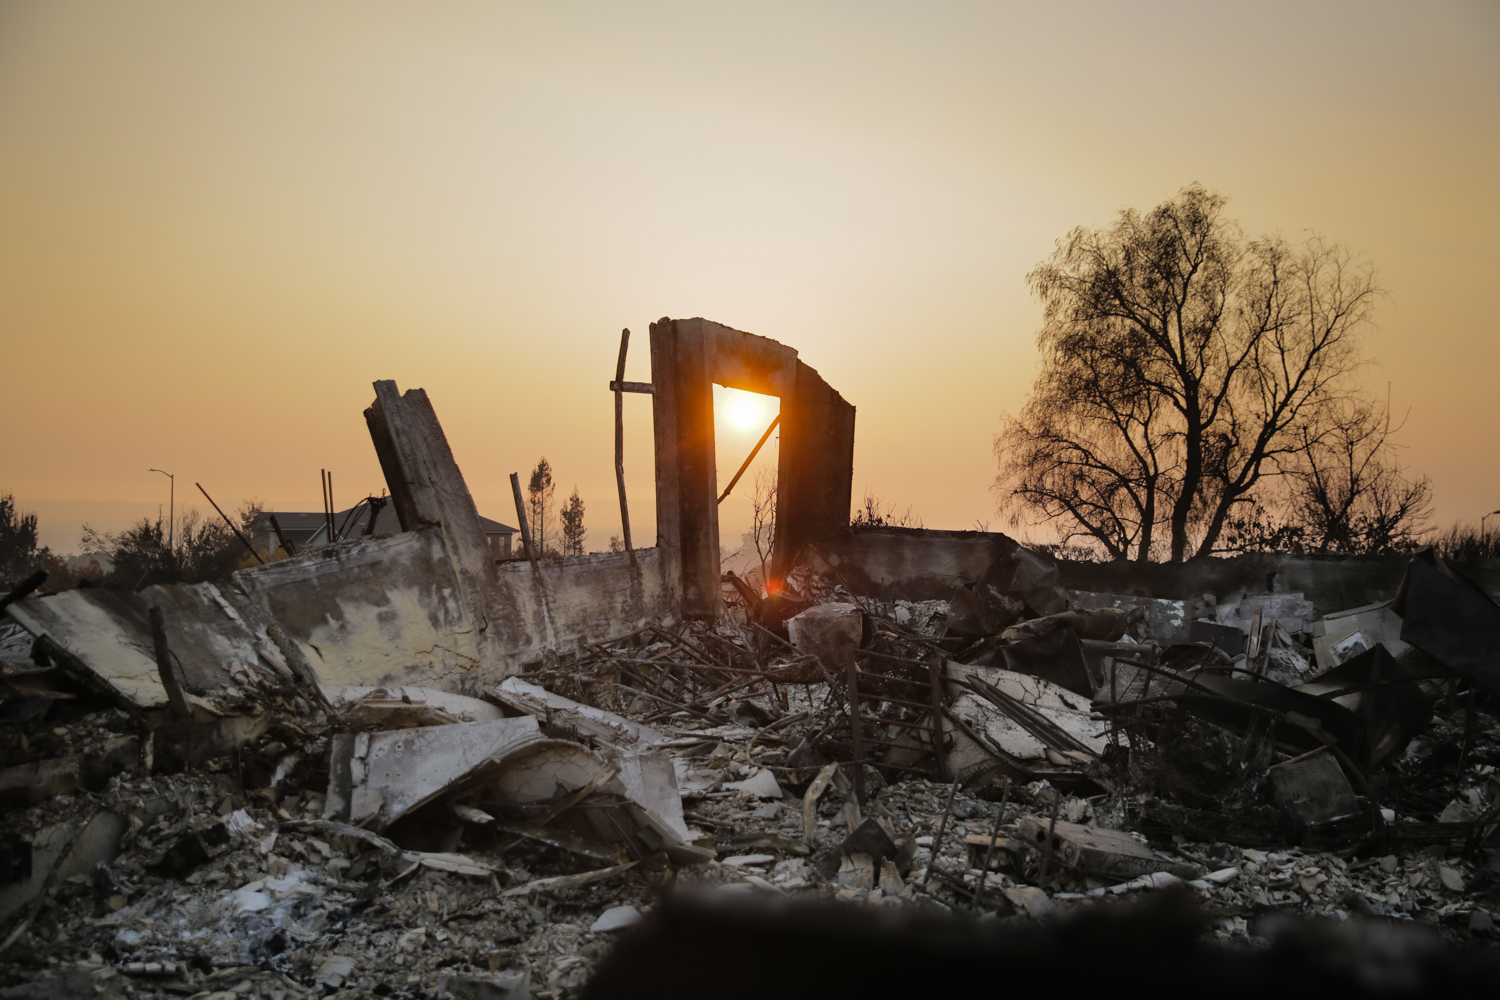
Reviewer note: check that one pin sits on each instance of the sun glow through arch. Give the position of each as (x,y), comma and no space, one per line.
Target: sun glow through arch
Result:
(745,412)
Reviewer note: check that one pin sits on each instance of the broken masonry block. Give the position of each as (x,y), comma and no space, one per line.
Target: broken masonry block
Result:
(762,785)
(1312,789)
(497,986)
(826,631)
(1225,637)
(334,971)
(190,851)
(1003,852)
(1109,854)
(595,724)
(869,839)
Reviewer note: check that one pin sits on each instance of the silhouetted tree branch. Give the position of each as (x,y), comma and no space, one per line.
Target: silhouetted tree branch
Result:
(1183,366)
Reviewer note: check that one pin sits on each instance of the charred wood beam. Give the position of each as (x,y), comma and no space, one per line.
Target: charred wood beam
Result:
(619,386)
(286,543)
(24,588)
(164,666)
(515,487)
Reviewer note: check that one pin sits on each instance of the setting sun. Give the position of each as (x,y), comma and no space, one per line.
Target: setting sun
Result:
(744,412)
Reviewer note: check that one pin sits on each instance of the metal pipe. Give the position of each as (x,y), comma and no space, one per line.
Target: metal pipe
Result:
(1047,847)
(855,736)
(291,549)
(237,533)
(937,843)
(170,682)
(936,667)
(753,452)
(989,850)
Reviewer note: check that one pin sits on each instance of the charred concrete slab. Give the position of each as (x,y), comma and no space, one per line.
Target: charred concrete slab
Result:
(1450,618)
(1330,582)
(1312,789)
(914,564)
(1388,693)
(376,611)
(376,778)
(217,637)
(1099,852)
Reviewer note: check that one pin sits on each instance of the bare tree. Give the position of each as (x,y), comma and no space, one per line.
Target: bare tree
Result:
(873,512)
(1182,365)
(763,520)
(539,491)
(1342,492)
(1091,459)
(573,531)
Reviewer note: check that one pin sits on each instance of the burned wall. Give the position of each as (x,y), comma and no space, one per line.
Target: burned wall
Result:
(815,470)
(914,564)
(376,611)
(926,564)
(563,604)
(1330,582)
(430,605)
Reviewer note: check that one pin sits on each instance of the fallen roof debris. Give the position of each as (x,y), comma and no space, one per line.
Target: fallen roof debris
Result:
(415,838)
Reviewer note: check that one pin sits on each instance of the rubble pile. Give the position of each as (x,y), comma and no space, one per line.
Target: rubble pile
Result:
(230,824)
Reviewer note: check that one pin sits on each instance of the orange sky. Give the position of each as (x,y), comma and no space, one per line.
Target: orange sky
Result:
(220,222)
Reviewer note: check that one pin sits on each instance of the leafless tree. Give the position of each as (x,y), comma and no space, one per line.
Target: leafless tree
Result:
(1183,365)
(873,512)
(763,520)
(1343,491)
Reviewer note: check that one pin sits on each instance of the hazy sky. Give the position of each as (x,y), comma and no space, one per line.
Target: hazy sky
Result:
(220,222)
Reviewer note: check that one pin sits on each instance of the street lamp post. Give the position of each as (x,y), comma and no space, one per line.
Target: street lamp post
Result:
(1484,535)
(171,507)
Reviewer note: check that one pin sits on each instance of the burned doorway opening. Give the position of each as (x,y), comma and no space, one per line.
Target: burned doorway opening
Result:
(814,460)
(747,445)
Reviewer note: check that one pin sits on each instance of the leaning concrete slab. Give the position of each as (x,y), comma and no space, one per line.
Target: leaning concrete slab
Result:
(427,488)
(217,638)
(376,778)
(1098,852)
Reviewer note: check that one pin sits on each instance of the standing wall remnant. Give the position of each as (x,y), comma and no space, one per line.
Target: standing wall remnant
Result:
(815,470)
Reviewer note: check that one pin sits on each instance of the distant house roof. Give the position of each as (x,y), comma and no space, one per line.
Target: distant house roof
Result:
(386,523)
